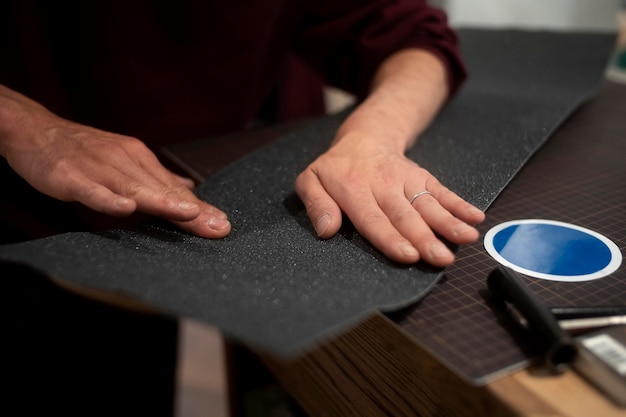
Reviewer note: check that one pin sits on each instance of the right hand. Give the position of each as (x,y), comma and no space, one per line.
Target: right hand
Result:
(372,183)
(110,173)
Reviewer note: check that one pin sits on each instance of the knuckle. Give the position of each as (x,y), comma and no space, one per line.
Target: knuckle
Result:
(401,215)
(133,188)
(354,179)
(300,180)
(125,147)
(174,189)
(372,219)
(434,185)
(90,196)
(130,142)
(425,202)
(60,166)
(315,205)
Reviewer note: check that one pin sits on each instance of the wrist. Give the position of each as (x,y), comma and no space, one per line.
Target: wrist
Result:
(407,92)
(371,128)
(22,121)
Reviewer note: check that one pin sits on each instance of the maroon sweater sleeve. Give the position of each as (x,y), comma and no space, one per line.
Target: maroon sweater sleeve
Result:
(345,41)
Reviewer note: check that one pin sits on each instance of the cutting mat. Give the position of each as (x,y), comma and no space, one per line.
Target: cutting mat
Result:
(578,177)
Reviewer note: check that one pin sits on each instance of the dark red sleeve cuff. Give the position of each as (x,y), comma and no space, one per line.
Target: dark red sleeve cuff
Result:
(346,41)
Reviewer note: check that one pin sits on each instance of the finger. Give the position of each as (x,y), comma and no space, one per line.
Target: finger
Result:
(455,204)
(413,227)
(360,206)
(100,198)
(136,163)
(169,203)
(184,181)
(210,223)
(175,203)
(157,192)
(446,212)
(323,211)
(374,225)
(377,229)
(442,222)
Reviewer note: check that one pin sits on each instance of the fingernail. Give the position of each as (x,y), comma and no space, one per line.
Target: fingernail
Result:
(220,214)
(438,250)
(186,205)
(217,223)
(461,228)
(408,250)
(122,201)
(471,210)
(322,223)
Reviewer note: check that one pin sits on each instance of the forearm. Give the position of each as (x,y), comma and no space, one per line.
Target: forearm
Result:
(10,104)
(21,121)
(408,90)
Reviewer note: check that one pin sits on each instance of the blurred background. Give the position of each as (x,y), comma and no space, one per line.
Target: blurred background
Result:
(535,14)
(557,15)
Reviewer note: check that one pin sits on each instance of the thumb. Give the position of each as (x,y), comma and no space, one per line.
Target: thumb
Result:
(323,211)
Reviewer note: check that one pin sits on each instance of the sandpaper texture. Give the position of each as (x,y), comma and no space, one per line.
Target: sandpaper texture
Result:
(272,283)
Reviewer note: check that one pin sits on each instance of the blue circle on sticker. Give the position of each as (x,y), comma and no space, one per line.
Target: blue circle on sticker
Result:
(552,250)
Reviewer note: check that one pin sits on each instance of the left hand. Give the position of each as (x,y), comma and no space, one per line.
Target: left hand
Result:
(372,184)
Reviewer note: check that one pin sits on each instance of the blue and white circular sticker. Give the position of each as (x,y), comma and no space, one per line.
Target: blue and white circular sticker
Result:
(552,250)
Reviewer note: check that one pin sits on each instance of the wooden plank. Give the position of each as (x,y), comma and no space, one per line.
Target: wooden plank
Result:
(202,377)
(374,369)
(569,393)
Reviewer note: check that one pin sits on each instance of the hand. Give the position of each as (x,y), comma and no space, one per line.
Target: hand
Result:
(372,185)
(110,173)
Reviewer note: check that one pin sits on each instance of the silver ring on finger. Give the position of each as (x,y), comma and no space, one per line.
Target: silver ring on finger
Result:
(417,195)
